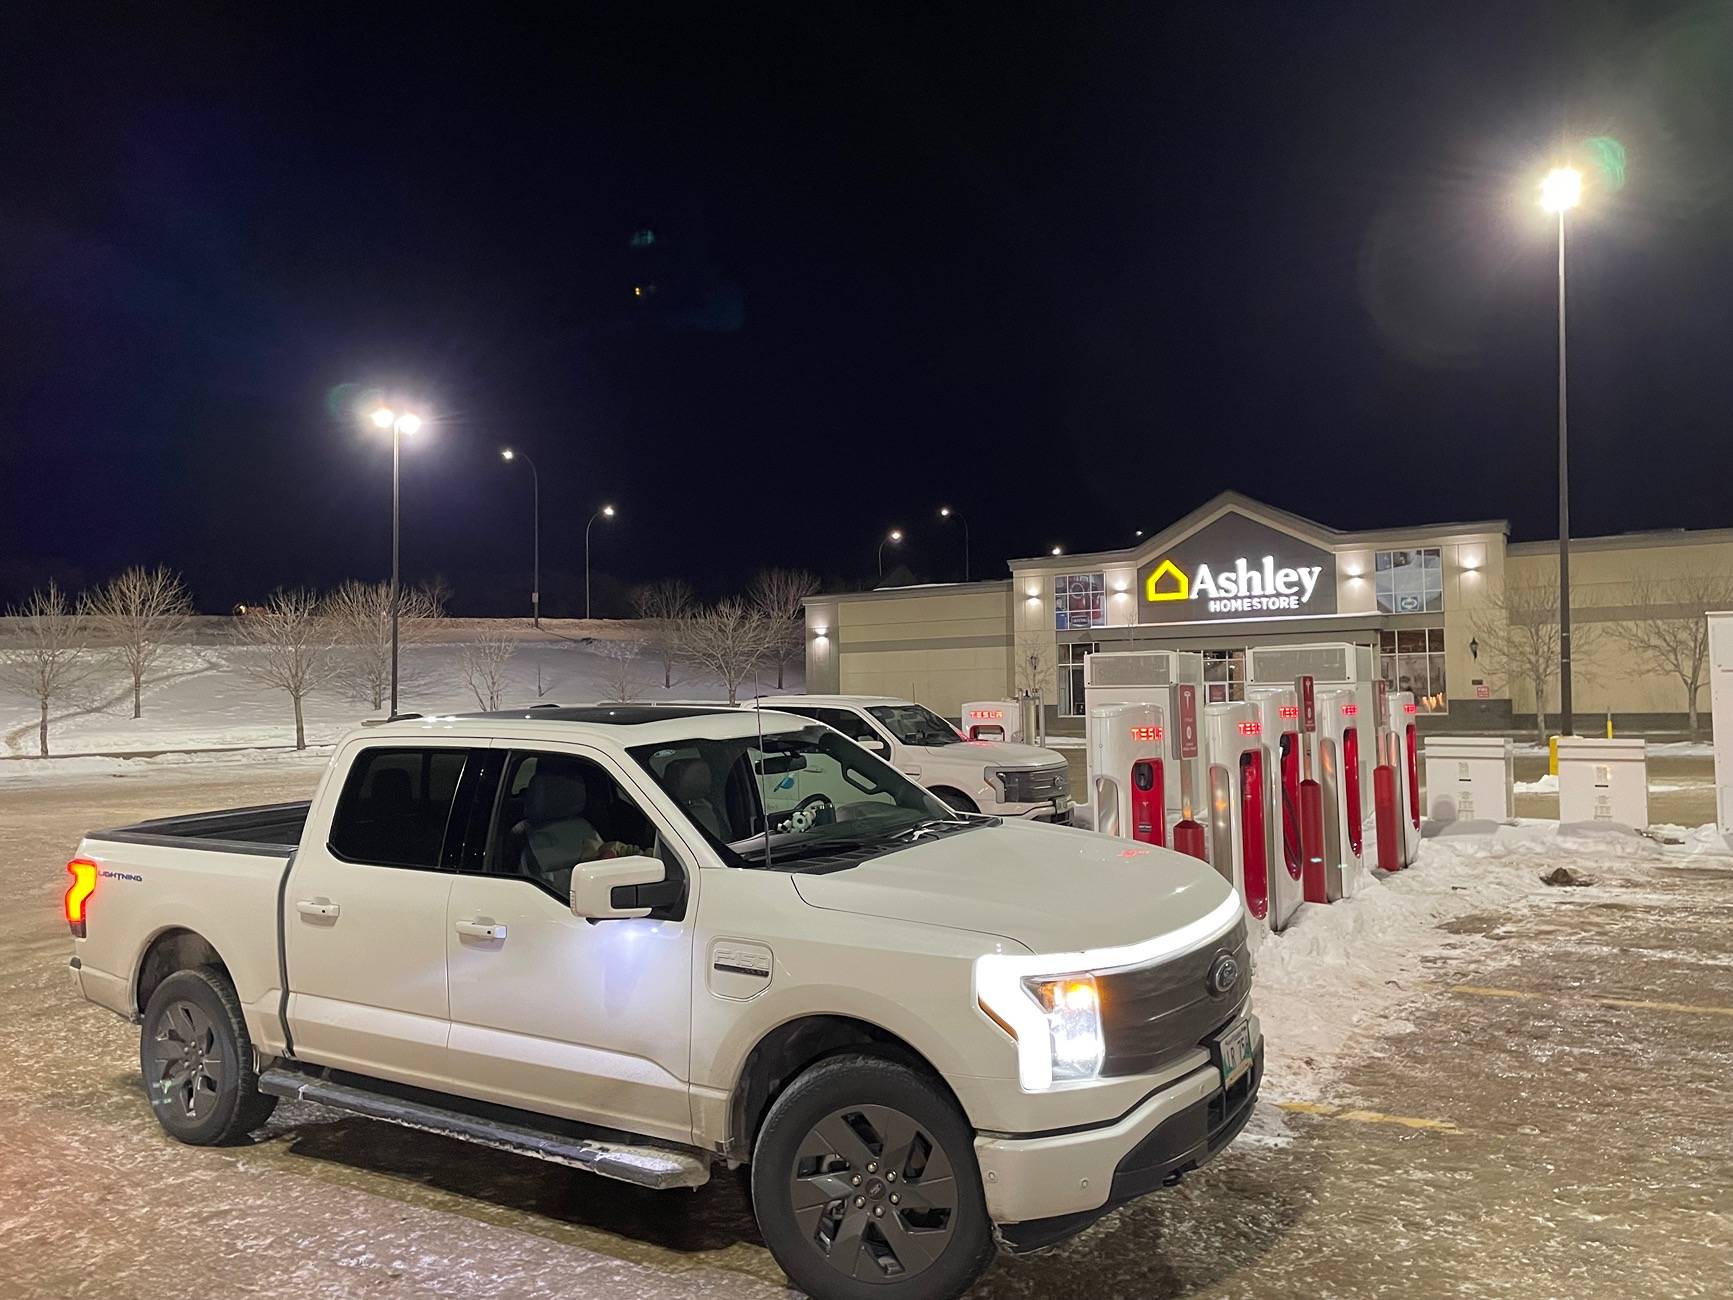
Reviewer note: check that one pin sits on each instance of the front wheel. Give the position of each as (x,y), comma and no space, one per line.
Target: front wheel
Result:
(956,800)
(864,1184)
(198,1061)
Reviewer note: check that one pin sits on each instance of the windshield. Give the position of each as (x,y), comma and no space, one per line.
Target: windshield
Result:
(825,802)
(914,724)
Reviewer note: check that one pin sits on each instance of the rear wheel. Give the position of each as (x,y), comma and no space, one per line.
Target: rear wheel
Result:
(198,1061)
(864,1184)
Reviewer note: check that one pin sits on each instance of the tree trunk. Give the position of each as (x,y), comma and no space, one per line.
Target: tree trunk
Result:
(378,696)
(667,674)
(300,726)
(137,708)
(42,731)
(1691,708)
(779,674)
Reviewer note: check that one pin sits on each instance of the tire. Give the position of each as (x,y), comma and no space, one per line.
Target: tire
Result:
(827,1215)
(956,800)
(197,1061)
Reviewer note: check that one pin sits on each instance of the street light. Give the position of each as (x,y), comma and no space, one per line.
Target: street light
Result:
(400,423)
(1561,189)
(536,532)
(607,511)
(895,535)
(1058,550)
(945,512)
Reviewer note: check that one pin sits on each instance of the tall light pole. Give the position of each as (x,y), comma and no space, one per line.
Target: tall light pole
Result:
(536,531)
(945,512)
(607,511)
(895,535)
(1560,191)
(400,423)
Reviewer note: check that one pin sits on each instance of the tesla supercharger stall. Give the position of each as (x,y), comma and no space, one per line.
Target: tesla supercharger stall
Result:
(1278,713)
(1401,750)
(1340,759)
(993,720)
(1150,677)
(1127,762)
(1239,802)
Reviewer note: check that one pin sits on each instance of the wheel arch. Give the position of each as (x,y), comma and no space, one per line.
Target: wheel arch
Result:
(969,802)
(787,1051)
(176,948)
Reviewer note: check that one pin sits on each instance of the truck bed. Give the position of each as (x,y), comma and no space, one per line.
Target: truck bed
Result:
(269,830)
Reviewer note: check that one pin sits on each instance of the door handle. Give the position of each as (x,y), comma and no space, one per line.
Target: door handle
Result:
(481,928)
(318,907)
(913,769)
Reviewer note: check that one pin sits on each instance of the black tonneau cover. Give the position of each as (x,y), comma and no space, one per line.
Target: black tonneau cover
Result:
(269,830)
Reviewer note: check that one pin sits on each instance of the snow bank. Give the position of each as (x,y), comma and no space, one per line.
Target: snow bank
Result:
(1547,784)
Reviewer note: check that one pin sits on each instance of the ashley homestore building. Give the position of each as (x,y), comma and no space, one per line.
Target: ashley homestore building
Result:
(1437,601)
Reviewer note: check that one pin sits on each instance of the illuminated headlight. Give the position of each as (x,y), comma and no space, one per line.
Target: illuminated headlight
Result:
(1073,1012)
(1056,1021)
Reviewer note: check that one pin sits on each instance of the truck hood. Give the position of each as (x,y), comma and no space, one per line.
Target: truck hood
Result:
(993,753)
(1049,888)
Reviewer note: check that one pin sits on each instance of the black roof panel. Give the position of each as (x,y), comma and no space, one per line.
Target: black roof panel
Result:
(605,715)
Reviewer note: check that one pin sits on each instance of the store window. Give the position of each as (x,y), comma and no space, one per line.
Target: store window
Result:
(1224,676)
(1412,659)
(1409,582)
(1079,601)
(1071,677)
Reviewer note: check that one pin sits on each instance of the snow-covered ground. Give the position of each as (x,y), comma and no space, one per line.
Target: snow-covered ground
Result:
(200,697)
(1347,969)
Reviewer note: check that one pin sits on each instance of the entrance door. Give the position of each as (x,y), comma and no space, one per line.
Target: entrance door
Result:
(552,1012)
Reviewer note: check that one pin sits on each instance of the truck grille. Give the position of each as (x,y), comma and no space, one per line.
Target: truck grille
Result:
(1035,784)
(1152,1015)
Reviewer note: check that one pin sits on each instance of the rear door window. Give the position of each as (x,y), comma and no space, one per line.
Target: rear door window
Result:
(396,806)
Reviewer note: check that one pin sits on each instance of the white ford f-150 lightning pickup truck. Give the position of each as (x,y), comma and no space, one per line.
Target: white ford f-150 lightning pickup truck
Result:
(1005,779)
(589,935)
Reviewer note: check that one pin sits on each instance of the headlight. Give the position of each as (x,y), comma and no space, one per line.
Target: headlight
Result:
(1073,1011)
(1056,1020)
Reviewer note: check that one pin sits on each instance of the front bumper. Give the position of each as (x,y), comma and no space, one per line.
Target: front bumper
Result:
(1045,811)
(1042,1190)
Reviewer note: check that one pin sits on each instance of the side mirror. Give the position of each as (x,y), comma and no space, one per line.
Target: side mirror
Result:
(873,745)
(609,890)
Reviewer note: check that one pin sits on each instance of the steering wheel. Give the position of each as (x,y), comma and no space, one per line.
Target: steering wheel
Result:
(811,811)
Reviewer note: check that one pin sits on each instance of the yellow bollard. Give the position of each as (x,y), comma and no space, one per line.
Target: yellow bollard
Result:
(1552,755)
(1609,726)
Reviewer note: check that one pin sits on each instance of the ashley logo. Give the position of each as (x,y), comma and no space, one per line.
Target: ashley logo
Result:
(1231,590)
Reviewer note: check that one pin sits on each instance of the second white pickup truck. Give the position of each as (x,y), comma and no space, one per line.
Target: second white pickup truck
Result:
(643,941)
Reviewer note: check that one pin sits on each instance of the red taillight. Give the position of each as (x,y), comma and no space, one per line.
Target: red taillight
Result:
(78,893)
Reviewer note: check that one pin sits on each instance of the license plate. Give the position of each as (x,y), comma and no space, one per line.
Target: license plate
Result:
(1234,1048)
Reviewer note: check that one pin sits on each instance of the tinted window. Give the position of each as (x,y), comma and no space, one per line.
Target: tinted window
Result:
(557,810)
(914,725)
(395,806)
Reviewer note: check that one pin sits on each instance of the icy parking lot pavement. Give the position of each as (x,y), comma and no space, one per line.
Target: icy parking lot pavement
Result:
(1479,1085)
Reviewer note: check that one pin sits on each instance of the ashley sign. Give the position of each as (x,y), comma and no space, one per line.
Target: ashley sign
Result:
(1237,567)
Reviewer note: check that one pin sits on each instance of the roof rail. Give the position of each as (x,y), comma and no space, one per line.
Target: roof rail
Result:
(396,717)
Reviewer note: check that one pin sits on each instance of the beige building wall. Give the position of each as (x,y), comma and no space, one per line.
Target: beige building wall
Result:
(1620,580)
(941,646)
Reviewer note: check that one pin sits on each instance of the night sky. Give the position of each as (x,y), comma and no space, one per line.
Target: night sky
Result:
(1071,269)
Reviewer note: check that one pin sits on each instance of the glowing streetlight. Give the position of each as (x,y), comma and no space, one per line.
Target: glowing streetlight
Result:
(508,453)
(1057,550)
(1561,189)
(945,512)
(605,512)
(400,423)
(895,535)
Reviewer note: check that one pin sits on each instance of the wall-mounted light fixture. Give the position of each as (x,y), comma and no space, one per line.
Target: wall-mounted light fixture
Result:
(1474,647)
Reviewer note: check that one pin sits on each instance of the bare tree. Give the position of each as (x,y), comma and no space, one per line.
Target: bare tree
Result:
(54,656)
(620,662)
(360,615)
(729,640)
(1668,631)
(138,614)
(1032,671)
(293,645)
(662,606)
(484,661)
(1517,628)
(779,595)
